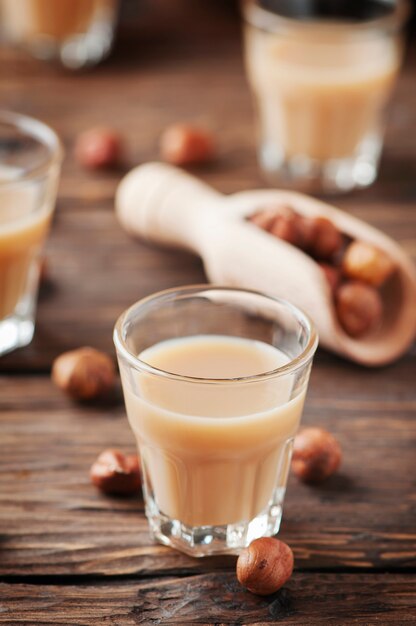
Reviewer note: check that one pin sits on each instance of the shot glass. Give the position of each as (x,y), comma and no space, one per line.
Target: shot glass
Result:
(78,33)
(214,383)
(322,74)
(30,162)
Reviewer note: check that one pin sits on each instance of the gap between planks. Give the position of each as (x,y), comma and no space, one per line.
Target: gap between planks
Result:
(96,579)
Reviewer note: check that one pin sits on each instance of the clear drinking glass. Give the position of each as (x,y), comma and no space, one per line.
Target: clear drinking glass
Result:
(30,161)
(78,33)
(215,451)
(322,74)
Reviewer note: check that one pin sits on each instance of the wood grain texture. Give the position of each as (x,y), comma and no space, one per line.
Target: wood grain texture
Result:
(53,521)
(215,599)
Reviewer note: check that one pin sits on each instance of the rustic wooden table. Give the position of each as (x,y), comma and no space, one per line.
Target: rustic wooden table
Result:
(69,555)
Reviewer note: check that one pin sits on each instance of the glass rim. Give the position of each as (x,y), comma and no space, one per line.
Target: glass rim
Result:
(40,131)
(263,19)
(180,292)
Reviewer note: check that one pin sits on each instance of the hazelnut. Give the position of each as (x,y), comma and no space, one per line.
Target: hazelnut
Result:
(184,144)
(115,473)
(359,308)
(332,274)
(363,261)
(316,455)
(320,237)
(99,148)
(84,374)
(285,227)
(265,565)
(263,219)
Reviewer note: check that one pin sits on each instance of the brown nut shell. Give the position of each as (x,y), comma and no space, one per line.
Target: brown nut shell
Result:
(115,473)
(363,261)
(285,227)
(265,565)
(359,308)
(320,237)
(316,455)
(84,374)
(185,144)
(99,148)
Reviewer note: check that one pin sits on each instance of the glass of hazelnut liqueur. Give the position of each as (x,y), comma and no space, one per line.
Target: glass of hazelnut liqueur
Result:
(78,33)
(214,383)
(322,74)
(30,162)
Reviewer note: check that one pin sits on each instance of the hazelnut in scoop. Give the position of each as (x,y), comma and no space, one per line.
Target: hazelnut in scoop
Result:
(359,308)
(332,275)
(363,261)
(321,238)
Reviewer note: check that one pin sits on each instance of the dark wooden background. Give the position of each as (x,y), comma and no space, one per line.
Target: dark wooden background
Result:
(71,556)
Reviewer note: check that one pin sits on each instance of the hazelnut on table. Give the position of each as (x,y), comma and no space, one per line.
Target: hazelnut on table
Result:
(84,374)
(265,566)
(316,455)
(186,144)
(116,473)
(99,148)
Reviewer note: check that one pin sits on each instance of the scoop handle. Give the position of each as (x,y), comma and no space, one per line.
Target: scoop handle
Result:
(165,205)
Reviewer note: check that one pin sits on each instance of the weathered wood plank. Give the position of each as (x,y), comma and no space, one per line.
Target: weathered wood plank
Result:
(52,521)
(213,599)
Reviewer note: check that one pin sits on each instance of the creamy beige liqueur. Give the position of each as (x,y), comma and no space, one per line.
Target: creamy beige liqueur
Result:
(320,90)
(22,233)
(214,453)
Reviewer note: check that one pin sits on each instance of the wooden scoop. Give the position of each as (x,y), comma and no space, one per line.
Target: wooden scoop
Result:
(165,205)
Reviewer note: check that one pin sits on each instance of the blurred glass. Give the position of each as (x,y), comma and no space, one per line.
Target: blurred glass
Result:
(322,74)
(78,33)
(30,163)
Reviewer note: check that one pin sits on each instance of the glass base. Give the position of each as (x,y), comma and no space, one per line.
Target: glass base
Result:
(77,51)
(201,541)
(331,176)
(15,332)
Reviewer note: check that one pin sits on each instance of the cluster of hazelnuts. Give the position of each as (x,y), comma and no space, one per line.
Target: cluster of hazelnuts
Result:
(355,270)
